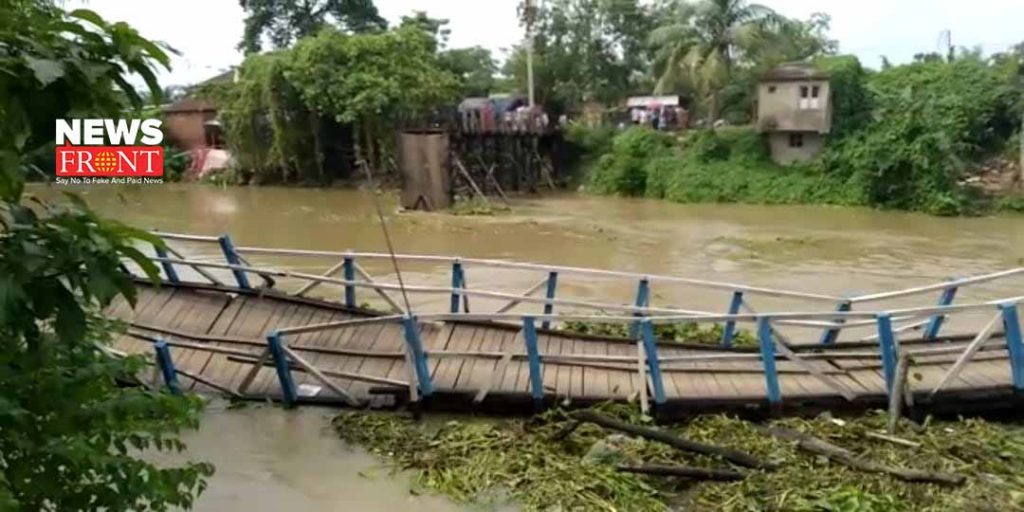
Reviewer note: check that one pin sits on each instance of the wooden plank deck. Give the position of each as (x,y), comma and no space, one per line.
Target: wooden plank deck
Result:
(236,323)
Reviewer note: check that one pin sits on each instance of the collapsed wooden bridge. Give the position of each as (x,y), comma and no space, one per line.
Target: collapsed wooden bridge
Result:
(234,330)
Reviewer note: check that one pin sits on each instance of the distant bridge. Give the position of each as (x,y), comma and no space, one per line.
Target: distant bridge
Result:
(253,332)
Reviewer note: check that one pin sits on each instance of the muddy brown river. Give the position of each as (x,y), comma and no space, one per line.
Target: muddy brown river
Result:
(268,459)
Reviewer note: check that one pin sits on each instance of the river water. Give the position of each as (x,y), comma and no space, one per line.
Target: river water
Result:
(272,460)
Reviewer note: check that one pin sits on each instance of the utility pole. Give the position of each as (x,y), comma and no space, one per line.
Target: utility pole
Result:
(528,17)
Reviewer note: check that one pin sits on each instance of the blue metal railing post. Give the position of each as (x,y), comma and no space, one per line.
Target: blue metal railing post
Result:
(830,335)
(232,258)
(1014,345)
(771,375)
(533,357)
(166,364)
(549,294)
(348,268)
(169,270)
(458,282)
(729,331)
(888,345)
(931,332)
(643,298)
(284,371)
(653,362)
(412,339)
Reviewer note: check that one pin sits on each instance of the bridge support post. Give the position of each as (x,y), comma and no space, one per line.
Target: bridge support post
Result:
(771,374)
(643,298)
(533,357)
(458,282)
(169,270)
(888,345)
(729,331)
(348,268)
(931,332)
(831,335)
(166,364)
(283,367)
(419,357)
(1014,345)
(653,362)
(549,307)
(231,255)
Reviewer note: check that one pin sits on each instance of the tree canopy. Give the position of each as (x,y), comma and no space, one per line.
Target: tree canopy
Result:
(283,22)
(366,82)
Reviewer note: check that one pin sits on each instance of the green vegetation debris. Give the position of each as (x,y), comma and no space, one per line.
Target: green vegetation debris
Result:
(477,206)
(524,461)
(687,332)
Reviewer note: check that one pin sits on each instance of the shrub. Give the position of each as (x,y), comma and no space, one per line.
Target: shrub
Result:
(176,163)
(930,119)
(621,171)
(591,141)
(722,165)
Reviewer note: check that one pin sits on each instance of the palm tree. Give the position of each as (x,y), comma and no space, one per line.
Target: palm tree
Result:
(698,49)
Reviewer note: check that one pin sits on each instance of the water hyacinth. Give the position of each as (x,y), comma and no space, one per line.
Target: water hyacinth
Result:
(532,463)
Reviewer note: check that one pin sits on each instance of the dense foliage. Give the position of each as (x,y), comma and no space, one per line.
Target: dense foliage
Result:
(281,113)
(723,165)
(931,120)
(70,434)
(282,22)
(543,464)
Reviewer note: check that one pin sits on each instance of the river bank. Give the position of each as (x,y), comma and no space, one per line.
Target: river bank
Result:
(732,165)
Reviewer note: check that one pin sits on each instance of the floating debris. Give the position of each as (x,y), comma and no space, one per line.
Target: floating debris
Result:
(551,462)
(685,332)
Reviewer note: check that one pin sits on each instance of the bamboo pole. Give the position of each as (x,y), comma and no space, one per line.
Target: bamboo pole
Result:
(983,336)
(201,271)
(641,369)
(299,360)
(529,291)
(207,382)
(843,456)
(472,182)
(896,393)
(312,284)
(330,373)
(384,295)
(917,290)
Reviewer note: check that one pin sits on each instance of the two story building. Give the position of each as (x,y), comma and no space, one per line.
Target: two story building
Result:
(794,109)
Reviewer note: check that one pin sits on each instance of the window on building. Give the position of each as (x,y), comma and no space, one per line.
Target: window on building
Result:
(796,140)
(771,89)
(815,91)
(803,91)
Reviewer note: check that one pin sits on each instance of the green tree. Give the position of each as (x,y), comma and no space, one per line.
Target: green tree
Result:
(475,66)
(930,120)
(365,83)
(584,50)
(70,434)
(283,22)
(704,44)
(372,81)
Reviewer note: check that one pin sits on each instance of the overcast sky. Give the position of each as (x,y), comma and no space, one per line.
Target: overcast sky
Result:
(207,31)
